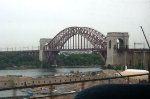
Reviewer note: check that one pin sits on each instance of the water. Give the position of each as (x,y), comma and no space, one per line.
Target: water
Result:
(39,72)
(9,93)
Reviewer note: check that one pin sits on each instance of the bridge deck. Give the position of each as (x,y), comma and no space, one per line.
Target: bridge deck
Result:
(20,51)
(86,49)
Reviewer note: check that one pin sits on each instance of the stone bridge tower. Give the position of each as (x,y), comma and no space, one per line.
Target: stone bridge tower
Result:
(43,42)
(115,41)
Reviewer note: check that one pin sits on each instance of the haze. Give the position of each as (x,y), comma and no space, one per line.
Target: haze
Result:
(24,22)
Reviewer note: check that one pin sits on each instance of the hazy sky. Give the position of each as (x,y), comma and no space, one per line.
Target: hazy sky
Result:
(24,22)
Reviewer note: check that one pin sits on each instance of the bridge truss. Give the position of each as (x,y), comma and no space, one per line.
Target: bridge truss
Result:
(76,39)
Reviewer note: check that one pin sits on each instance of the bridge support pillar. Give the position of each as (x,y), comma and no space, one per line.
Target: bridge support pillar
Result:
(115,41)
(42,54)
(52,58)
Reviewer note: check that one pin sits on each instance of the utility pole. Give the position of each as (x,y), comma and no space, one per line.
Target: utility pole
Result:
(145,37)
(149,48)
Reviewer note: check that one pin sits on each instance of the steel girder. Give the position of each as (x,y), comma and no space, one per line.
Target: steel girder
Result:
(97,39)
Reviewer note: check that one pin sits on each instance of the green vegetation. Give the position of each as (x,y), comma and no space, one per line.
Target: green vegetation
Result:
(18,60)
(84,59)
(23,61)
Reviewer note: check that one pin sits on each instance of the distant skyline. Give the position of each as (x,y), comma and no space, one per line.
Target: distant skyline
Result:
(24,22)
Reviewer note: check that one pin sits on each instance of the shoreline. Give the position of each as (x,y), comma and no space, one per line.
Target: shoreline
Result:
(98,66)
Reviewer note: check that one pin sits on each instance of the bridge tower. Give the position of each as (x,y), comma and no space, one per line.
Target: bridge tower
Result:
(42,54)
(115,41)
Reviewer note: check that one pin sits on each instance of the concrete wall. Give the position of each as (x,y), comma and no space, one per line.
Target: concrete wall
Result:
(113,57)
(138,58)
(43,42)
(6,84)
(124,56)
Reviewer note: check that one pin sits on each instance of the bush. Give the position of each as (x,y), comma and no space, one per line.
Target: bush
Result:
(17,59)
(79,59)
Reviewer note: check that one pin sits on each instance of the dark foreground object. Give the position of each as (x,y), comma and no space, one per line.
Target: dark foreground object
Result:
(116,91)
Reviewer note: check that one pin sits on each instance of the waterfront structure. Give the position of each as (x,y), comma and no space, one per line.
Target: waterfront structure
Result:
(113,48)
(77,80)
(116,41)
(119,53)
(43,42)
(74,39)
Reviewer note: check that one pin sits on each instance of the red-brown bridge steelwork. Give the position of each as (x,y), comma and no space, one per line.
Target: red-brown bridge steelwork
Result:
(76,39)
(115,50)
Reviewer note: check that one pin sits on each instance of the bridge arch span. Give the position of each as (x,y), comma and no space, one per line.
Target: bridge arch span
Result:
(97,39)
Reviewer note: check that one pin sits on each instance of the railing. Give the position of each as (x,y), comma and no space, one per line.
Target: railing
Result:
(19,49)
(82,82)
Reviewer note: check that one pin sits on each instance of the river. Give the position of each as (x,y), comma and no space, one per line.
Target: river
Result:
(39,72)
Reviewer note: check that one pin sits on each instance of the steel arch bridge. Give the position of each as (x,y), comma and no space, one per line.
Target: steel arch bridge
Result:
(76,38)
